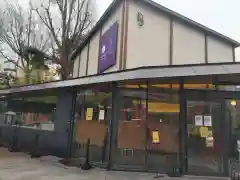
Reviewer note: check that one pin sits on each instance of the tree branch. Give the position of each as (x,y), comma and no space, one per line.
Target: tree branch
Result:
(17,31)
(59,39)
(10,60)
(48,22)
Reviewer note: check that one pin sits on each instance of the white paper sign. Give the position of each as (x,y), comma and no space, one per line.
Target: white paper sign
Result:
(208,121)
(238,145)
(209,142)
(101,114)
(198,120)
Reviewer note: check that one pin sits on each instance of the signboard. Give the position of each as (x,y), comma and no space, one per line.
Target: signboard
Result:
(204,132)
(199,120)
(108,48)
(89,114)
(101,115)
(209,142)
(155,137)
(208,121)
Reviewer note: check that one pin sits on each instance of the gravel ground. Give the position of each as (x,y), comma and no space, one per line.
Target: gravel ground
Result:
(19,166)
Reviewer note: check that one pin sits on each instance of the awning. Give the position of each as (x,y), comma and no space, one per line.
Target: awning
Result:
(139,73)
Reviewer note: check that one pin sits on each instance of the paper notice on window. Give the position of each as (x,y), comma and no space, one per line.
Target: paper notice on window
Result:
(155,137)
(210,142)
(204,132)
(89,114)
(238,145)
(198,120)
(208,121)
(101,115)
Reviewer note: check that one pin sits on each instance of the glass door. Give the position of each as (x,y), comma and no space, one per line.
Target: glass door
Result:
(204,133)
(204,142)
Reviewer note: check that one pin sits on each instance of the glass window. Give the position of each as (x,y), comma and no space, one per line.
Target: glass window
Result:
(93,113)
(148,129)
(205,136)
(31,112)
(162,128)
(131,128)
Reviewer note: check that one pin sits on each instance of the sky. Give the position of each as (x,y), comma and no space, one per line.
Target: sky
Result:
(220,15)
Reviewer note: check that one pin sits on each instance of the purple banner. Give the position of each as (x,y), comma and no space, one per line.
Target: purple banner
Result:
(108,48)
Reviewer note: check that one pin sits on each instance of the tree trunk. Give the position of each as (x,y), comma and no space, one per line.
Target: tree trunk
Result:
(63,76)
(39,76)
(66,69)
(27,78)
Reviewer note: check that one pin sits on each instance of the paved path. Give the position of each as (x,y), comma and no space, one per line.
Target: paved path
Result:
(18,166)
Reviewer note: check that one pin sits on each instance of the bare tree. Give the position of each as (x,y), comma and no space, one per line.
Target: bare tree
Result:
(67,21)
(6,79)
(20,37)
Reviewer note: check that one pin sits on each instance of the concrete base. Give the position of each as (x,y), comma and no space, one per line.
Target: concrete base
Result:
(19,166)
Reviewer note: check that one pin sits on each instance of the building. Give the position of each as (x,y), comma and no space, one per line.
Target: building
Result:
(149,85)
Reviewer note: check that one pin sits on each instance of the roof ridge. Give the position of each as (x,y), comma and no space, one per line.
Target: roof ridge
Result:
(191,21)
(160,7)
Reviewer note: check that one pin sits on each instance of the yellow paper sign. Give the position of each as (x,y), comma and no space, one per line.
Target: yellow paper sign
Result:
(210,133)
(204,131)
(89,114)
(155,137)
